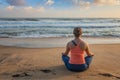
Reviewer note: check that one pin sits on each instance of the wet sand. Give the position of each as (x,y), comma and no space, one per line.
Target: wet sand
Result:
(53,42)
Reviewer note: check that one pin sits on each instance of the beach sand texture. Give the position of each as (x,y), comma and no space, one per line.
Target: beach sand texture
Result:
(45,64)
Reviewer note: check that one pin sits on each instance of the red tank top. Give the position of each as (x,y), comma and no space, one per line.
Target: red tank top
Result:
(77,55)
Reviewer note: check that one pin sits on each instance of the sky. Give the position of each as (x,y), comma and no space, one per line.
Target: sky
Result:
(59,8)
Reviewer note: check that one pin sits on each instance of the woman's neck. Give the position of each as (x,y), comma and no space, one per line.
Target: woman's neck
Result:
(77,38)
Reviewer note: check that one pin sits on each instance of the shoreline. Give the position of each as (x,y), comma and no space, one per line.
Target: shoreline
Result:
(53,42)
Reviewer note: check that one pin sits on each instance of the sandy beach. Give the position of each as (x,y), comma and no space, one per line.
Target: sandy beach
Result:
(20,63)
(35,33)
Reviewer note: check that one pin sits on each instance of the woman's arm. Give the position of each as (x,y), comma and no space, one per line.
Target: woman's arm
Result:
(87,50)
(67,50)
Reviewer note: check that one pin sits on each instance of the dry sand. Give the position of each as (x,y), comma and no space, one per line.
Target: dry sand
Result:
(45,64)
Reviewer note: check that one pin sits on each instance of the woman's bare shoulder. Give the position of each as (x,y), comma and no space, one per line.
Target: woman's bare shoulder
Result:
(84,42)
(70,43)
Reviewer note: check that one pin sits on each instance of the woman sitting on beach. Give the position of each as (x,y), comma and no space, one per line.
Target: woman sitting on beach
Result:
(77,48)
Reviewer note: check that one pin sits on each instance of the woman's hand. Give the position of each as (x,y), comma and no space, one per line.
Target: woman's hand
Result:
(92,54)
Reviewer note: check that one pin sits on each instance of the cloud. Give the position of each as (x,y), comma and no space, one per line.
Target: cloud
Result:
(10,8)
(107,2)
(88,3)
(41,9)
(28,8)
(16,2)
(81,3)
(40,12)
(32,9)
(50,2)
(84,4)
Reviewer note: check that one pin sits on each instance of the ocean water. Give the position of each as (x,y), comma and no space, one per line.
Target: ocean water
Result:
(58,27)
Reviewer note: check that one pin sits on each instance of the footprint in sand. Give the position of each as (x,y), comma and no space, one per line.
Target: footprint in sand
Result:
(2,59)
(48,71)
(21,75)
(3,56)
(109,75)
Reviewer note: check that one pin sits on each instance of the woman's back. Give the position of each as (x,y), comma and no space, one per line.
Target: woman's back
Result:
(77,52)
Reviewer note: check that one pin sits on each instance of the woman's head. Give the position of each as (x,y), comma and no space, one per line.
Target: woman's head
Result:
(77,31)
